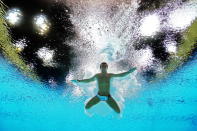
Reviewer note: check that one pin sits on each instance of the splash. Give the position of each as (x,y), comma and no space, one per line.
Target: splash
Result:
(110,32)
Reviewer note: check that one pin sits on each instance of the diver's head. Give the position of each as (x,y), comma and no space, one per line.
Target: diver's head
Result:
(103,67)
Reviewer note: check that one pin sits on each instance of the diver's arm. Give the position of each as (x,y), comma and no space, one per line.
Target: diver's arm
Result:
(124,74)
(87,80)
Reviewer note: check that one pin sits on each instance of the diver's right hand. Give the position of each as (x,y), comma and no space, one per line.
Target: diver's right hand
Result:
(132,70)
(74,81)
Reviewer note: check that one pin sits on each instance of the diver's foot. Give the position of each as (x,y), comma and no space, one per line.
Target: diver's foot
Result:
(88,113)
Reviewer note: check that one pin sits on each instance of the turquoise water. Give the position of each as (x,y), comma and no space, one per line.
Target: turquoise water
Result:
(170,104)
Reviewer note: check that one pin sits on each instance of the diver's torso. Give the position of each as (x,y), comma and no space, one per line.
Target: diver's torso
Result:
(103,84)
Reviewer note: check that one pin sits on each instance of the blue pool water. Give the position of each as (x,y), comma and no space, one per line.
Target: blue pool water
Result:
(170,104)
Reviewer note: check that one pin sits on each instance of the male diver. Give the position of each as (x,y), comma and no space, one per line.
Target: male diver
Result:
(103,80)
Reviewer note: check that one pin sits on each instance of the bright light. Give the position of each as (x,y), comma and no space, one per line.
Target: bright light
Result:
(46,55)
(171,47)
(14,16)
(183,17)
(20,44)
(150,25)
(42,24)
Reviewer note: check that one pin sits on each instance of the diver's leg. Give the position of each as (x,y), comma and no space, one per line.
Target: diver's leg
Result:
(92,102)
(112,103)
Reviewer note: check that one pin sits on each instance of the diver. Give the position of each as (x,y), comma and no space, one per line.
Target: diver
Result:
(103,80)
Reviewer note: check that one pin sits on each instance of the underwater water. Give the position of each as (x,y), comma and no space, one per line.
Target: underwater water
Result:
(46,46)
(169,104)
